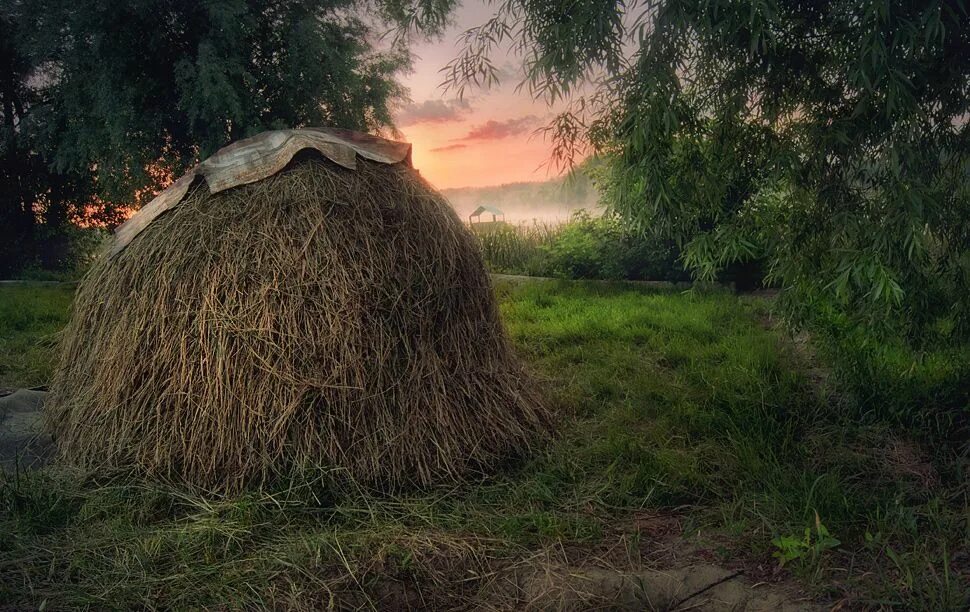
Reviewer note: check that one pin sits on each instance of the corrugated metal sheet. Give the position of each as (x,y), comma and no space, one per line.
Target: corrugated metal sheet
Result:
(259,157)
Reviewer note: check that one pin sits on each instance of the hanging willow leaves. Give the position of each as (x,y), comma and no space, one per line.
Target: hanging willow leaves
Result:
(827,138)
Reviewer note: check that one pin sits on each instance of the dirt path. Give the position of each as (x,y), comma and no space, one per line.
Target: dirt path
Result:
(23,441)
(698,586)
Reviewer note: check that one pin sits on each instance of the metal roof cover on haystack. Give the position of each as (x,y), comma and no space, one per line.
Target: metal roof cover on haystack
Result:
(263,155)
(290,315)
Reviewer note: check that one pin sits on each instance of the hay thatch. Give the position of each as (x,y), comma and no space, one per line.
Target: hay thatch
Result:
(320,318)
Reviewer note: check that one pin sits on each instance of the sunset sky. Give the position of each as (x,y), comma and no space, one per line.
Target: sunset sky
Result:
(485,139)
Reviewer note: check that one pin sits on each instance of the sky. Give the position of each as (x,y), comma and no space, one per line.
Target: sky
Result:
(487,138)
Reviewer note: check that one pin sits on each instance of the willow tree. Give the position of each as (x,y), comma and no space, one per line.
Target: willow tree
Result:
(828,138)
(116,97)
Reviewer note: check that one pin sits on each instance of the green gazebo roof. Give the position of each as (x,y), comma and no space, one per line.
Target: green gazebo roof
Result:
(486,209)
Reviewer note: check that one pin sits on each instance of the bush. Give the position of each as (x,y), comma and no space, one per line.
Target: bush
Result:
(61,253)
(586,247)
(605,248)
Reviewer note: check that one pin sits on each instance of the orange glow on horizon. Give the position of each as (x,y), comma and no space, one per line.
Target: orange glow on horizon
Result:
(488,137)
(447,162)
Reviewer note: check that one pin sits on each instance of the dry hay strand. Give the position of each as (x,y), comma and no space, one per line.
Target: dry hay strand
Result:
(322,318)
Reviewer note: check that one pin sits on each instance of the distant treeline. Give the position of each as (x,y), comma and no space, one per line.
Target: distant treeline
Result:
(546,201)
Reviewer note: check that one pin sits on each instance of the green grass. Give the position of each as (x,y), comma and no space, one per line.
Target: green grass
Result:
(670,403)
(30,317)
(919,388)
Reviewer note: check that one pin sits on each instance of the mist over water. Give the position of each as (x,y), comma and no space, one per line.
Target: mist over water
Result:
(548,203)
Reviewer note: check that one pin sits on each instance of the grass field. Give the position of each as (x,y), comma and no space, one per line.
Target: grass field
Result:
(30,317)
(687,422)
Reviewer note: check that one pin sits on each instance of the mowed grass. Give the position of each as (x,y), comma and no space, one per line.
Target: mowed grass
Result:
(673,404)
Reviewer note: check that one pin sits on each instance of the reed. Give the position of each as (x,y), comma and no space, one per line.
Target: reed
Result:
(517,249)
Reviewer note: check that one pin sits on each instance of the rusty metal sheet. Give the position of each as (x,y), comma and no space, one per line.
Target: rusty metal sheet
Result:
(254,159)
(127,231)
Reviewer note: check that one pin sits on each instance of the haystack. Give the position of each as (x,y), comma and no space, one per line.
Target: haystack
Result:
(302,301)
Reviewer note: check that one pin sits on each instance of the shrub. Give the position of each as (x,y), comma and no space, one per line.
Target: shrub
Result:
(62,253)
(586,247)
(606,248)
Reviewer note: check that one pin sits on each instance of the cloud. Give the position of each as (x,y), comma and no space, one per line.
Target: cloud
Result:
(432,111)
(490,130)
(508,72)
(496,130)
(451,147)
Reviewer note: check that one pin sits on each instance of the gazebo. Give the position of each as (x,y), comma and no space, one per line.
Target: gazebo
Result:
(476,216)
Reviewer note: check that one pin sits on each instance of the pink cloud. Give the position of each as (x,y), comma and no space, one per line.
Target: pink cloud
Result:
(451,147)
(496,130)
(432,111)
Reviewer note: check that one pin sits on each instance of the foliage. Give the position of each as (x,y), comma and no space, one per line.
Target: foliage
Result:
(832,136)
(104,102)
(31,193)
(675,407)
(604,247)
(810,546)
(585,247)
(588,248)
(68,252)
